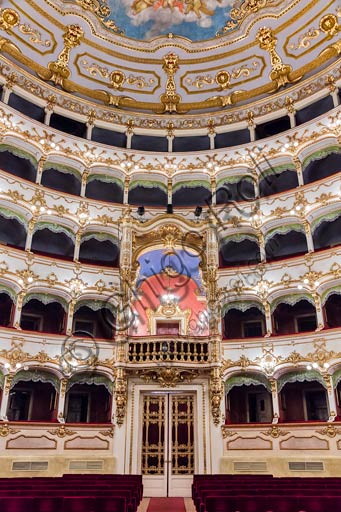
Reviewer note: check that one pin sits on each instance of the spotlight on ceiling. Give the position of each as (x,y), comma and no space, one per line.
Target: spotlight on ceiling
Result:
(198,211)
(170,208)
(140,211)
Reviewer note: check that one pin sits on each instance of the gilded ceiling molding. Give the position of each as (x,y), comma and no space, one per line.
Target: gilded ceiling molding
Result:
(241,10)
(67,102)
(58,71)
(280,72)
(170,99)
(102,11)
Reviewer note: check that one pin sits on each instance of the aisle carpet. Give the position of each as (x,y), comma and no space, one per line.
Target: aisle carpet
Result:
(166,505)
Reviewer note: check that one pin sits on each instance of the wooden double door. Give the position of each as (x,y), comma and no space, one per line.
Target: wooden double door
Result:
(168,443)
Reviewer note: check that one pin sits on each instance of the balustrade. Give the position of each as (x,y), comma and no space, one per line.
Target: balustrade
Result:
(180,350)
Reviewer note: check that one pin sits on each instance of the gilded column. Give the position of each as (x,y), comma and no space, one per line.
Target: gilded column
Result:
(18,308)
(77,245)
(298,167)
(211,133)
(85,176)
(307,230)
(129,132)
(289,104)
(69,319)
(268,318)
(256,183)
(126,189)
(275,400)
(170,190)
(216,395)
(29,235)
(330,83)
(120,395)
(214,190)
(61,401)
(251,125)
(124,314)
(51,101)
(5,396)
(8,87)
(261,243)
(90,123)
(331,396)
(170,136)
(319,312)
(40,169)
(212,250)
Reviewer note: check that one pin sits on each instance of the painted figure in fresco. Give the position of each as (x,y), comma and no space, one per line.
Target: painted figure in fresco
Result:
(195,6)
(139,5)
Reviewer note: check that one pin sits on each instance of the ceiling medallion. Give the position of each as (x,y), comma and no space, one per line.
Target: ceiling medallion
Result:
(329,24)
(8,19)
(168,377)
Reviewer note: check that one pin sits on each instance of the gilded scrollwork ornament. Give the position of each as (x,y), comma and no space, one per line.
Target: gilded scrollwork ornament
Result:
(62,432)
(167,377)
(226,432)
(275,432)
(121,395)
(6,430)
(216,394)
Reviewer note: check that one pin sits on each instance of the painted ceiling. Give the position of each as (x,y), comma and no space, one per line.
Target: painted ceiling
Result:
(196,20)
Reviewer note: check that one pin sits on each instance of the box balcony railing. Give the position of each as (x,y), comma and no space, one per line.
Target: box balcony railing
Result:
(177,351)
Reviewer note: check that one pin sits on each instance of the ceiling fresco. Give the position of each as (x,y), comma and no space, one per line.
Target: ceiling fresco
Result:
(196,20)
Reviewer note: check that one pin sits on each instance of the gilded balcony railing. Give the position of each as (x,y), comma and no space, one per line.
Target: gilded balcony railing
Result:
(177,351)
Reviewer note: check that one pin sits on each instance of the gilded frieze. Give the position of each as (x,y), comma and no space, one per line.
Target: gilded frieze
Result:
(260,107)
(32,33)
(310,35)
(120,78)
(217,78)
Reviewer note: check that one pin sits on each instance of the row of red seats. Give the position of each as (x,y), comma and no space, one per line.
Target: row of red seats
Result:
(264,493)
(71,493)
